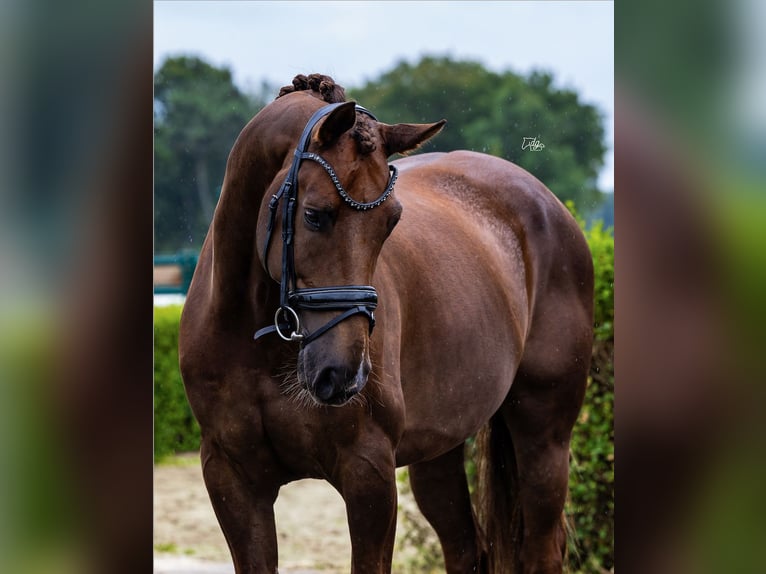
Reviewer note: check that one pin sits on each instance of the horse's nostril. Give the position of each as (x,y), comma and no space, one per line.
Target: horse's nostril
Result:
(336,385)
(327,383)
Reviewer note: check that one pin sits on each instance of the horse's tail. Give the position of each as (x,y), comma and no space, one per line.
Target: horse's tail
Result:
(499,518)
(498,512)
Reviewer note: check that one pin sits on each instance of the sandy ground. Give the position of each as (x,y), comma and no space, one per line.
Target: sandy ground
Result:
(310,516)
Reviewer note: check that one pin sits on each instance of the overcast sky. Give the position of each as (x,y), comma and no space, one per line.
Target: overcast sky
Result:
(356,41)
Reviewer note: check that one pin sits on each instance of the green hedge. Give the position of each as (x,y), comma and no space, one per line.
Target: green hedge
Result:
(175,429)
(591,483)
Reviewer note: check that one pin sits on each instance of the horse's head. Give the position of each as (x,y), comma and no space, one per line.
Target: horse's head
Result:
(344,209)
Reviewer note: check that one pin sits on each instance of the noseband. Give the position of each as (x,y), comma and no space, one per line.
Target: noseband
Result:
(350,299)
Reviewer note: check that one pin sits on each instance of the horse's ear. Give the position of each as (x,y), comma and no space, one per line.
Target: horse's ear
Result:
(337,122)
(401,138)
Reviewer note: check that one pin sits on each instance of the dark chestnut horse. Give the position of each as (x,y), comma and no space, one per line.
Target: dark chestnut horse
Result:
(396,312)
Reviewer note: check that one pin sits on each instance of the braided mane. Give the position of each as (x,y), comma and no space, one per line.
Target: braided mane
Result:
(324,88)
(321,87)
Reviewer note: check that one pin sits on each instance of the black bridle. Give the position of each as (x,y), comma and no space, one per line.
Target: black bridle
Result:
(350,299)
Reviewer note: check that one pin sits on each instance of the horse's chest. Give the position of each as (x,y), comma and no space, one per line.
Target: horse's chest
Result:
(305,442)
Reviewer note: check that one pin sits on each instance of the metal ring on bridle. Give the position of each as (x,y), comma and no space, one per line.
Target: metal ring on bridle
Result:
(295,335)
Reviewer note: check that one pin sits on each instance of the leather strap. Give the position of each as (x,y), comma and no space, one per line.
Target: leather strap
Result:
(284,326)
(342,317)
(334,297)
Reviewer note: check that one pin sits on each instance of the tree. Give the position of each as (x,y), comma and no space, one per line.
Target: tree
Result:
(198,113)
(493,113)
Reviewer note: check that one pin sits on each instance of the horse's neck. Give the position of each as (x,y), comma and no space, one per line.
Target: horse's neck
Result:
(238,278)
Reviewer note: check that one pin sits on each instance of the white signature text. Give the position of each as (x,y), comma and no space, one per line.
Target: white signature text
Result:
(532,144)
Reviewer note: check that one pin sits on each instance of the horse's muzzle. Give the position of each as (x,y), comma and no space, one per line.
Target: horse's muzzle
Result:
(335,385)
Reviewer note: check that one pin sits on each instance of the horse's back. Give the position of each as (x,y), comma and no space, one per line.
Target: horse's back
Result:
(495,195)
(497,199)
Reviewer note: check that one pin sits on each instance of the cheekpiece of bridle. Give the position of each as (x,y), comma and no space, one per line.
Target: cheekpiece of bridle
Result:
(350,300)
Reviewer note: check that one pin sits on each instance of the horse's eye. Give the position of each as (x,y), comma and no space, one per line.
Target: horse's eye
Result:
(312,219)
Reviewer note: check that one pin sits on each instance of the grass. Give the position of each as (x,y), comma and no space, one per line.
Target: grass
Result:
(172,548)
(185,460)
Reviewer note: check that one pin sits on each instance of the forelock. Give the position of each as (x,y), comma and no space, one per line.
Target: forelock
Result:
(365,134)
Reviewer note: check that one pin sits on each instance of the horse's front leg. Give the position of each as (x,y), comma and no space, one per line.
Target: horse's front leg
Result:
(366,478)
(244,506)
